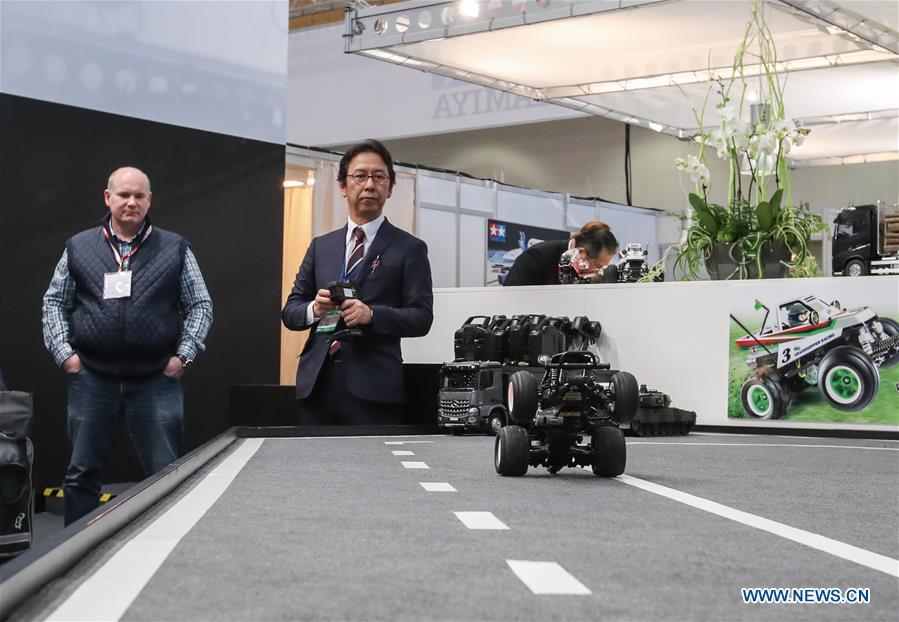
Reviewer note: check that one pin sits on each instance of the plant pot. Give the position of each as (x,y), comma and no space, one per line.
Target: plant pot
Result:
(721,265)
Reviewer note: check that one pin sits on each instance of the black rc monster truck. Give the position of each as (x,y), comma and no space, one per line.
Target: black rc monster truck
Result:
(578,397)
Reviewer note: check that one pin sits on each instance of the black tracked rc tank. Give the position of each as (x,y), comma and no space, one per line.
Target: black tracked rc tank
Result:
(656,417)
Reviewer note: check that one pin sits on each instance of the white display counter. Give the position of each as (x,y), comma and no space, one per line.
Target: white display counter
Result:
(674,337)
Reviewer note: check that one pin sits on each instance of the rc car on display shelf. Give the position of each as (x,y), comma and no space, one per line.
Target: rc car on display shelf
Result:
(578,397)
(809,342)
(633,264)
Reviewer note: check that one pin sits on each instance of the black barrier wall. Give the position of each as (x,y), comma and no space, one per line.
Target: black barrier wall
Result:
(222,193)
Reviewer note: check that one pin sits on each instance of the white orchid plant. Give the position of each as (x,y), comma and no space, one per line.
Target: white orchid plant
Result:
(759,212)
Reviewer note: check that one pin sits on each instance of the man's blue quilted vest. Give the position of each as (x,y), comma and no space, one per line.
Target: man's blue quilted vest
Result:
(126,336)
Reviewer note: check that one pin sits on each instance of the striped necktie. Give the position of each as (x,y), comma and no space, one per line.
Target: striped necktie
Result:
(355,258)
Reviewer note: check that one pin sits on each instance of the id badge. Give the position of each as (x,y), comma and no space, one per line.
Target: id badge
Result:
(117,285)
(328,323)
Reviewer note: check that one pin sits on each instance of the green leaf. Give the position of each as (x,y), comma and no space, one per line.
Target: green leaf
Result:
(774,203)
(704,214)
(766,218)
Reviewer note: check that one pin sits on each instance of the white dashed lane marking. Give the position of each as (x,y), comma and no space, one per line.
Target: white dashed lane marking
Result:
(851,553)
(480,520)
(403,453)
(546,578)
(415,465)
(437,487)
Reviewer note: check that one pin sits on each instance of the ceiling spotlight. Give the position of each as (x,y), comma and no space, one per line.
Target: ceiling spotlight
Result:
(293,183)
(469,8)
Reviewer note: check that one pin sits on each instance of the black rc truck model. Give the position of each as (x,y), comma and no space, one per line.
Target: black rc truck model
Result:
(578,397)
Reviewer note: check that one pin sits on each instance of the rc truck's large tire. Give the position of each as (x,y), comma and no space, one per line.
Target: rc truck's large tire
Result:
(609,451)
(848,378)
(511,451)
(764,398)
(855,267)
(522,398)
(626,397)
(891,328)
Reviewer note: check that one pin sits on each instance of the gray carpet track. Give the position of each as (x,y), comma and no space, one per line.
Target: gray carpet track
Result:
(337,529)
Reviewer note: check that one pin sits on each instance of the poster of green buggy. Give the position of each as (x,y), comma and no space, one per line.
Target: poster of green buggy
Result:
(815,350)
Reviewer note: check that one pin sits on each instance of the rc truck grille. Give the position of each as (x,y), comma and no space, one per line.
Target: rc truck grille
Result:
(454,408)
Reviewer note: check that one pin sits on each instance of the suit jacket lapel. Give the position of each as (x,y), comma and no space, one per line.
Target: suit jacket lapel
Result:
(382,240)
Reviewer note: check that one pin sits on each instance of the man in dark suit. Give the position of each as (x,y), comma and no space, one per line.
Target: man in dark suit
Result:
(360,381)
(539,264)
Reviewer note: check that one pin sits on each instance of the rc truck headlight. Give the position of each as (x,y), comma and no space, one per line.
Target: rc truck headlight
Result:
(474,412)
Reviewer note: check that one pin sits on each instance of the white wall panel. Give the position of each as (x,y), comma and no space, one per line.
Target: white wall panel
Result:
(477,196)
(473,250)
(579,213)
(437,190)
(631,225)
(438,229)
(530,209)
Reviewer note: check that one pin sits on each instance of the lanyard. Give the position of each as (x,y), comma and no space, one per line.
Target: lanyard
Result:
(121,259)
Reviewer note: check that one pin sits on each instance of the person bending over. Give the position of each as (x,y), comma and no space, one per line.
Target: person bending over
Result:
(539,264)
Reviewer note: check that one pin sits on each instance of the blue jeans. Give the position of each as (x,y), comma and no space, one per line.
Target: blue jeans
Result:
(152,408)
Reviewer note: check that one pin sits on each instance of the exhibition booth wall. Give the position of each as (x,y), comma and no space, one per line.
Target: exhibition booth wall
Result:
(680,338)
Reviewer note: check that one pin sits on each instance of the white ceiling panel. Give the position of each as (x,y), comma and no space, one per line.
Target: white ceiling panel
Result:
(639,61)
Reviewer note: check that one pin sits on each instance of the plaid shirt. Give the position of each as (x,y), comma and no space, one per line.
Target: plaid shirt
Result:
(193,301)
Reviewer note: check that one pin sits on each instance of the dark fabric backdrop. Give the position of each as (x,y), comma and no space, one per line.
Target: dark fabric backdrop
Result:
(222,193)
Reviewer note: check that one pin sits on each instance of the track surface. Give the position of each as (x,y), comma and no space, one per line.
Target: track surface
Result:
(338,528)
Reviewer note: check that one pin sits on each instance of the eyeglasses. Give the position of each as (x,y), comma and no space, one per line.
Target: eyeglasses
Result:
(362,178)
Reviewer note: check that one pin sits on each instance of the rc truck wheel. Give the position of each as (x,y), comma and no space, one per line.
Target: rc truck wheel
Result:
(495,423)
(522,398)
(856,267)
(626,397)
(891,328)
(511,451)
(609,451)
(764,398)
(848,379)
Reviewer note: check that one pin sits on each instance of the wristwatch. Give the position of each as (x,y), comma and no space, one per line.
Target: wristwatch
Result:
(185,362)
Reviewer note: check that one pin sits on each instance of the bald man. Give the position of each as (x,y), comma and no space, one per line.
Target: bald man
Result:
(126,312)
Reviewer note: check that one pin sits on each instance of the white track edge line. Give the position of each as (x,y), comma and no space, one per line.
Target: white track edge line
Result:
(876,561)
(110,590)
(762,445)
